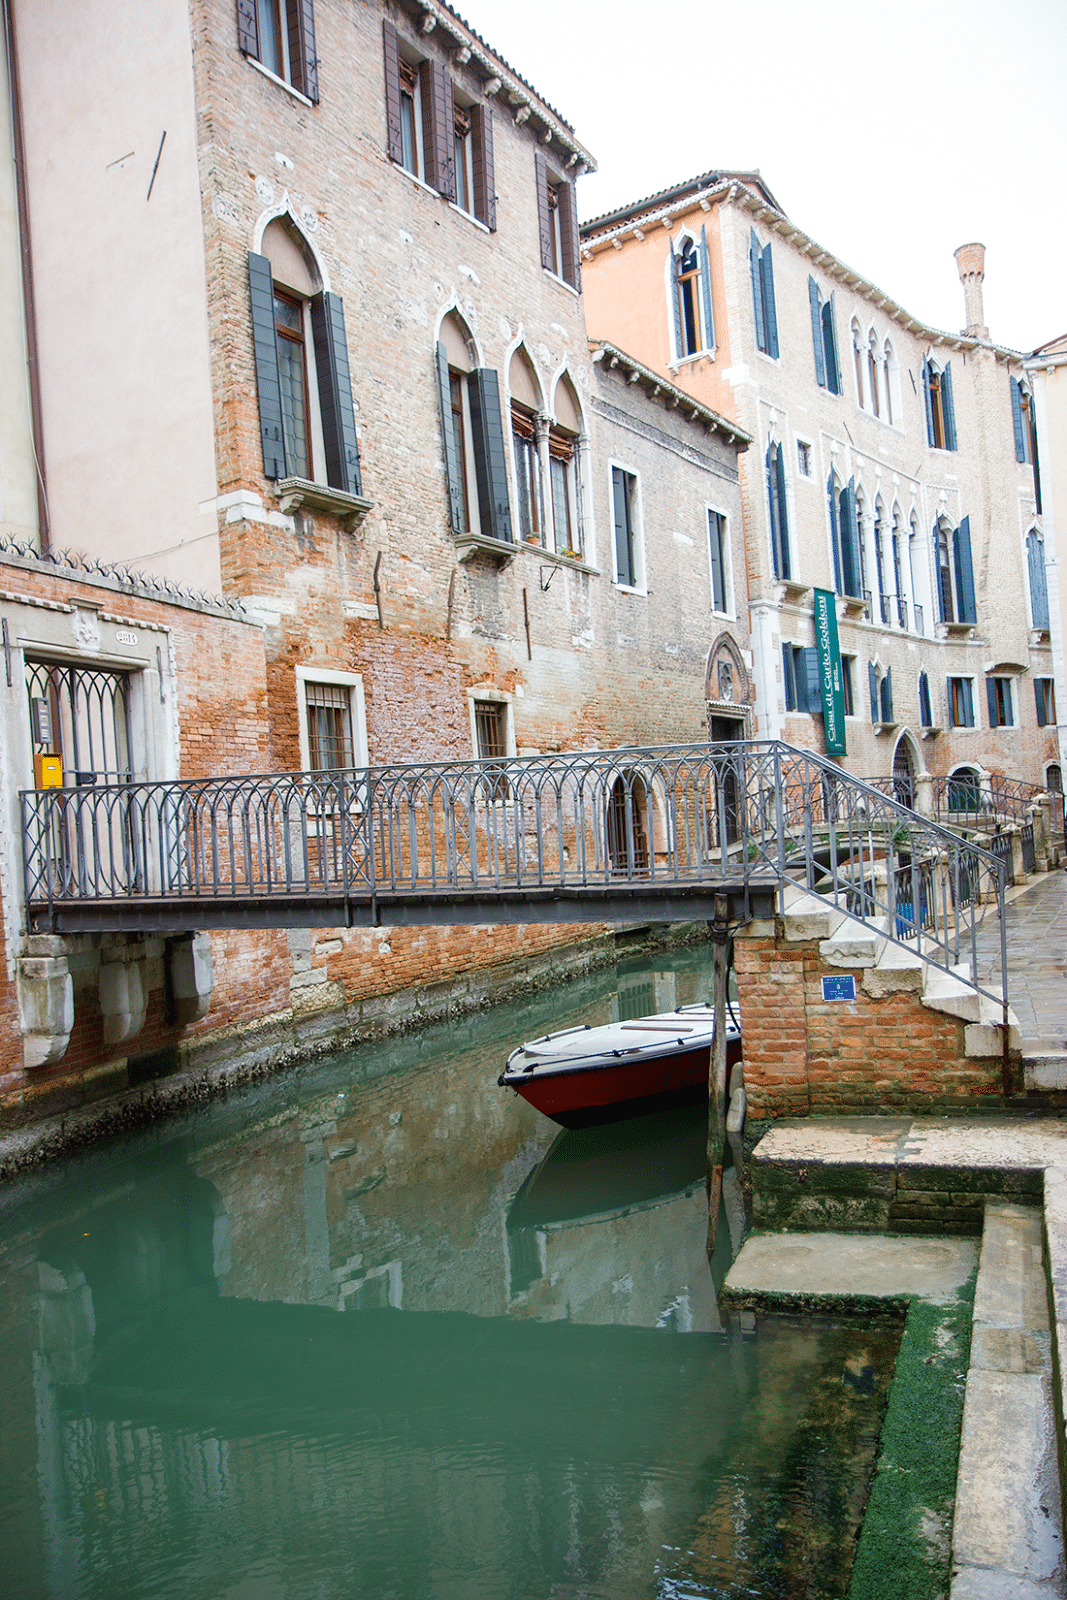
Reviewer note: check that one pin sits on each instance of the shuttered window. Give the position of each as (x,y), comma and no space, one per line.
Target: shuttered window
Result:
(280,35)
(285,373)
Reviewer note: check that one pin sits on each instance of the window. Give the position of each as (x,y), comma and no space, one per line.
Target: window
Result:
(694,322)
(845,538)
(1045,696)
(824,341)
(960,703)
(847,663)
(804,458)
(955,572)
(473,430)
(780,557)
(625,514)
(880,682)
(1035,563)
(762,274)
(280,35)
(720,558)
(333,725)
(433,134)
(565,470)
(1000,703)
(800,679)
(557,219)
(937,398)
(300,349)
(926,714)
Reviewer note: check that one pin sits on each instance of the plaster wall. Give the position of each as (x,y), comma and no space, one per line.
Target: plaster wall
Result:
(120,283)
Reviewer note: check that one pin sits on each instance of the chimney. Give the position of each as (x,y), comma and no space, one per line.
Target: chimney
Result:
(970,258)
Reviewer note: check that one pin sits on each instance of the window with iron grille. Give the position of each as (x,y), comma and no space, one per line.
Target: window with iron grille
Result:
(329,726)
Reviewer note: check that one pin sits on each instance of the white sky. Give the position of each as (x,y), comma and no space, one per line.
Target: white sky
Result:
(889,133)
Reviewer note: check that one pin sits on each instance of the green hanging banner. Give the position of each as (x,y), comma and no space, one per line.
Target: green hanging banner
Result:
(829,657)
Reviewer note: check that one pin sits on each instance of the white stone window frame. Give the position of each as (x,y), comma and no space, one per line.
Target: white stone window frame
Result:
(357,711)
(729,590)
(637,509)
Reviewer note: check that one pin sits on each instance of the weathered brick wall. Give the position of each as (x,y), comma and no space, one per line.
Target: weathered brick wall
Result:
(806,1056)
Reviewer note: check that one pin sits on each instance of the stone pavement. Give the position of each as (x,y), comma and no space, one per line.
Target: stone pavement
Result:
(1036,923)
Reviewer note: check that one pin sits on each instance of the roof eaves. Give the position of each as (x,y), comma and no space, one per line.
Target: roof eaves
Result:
(675,398)
(522,95)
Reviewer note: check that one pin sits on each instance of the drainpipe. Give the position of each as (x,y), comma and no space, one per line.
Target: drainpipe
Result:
(28,301)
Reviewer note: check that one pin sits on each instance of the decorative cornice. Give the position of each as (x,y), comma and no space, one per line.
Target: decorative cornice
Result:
(674,399)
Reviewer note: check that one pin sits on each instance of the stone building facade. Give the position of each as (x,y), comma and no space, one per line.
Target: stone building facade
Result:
(891,468)
(322,351)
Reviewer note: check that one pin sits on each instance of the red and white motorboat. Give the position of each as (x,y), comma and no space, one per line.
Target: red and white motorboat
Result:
(581,1076)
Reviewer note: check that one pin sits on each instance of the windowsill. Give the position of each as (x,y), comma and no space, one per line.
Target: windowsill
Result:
(471,545)
(790,590)
(562,282)
(295,492)
(468,216)
(955,630)
(576,563)
(274,78)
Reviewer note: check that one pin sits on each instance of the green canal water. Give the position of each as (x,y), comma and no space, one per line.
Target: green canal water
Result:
(376,1328)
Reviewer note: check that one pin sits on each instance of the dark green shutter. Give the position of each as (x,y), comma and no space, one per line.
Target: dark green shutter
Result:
(757,288)
(393,123)
(928,403)
(268,384)
(948,410)
(789,678)
(490,462)
(816,333)
(453,468)
(991,702)
(770,316)
(855,576)
(335,393)
(961,541)
(887,695)
(783,512)
(484,173)
(835,534)
(544,216)
(1017,419)
(438,128)
(624,541)
(1035,561)
(812,682)
(248,28)
(705,289)
(303,60)
(833,364)
(569,238)
(872,684)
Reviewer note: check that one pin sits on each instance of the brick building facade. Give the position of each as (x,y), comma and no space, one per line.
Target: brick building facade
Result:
(891,467)
(344,381)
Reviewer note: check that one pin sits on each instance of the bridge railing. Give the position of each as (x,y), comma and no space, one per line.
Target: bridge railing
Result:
(662,817)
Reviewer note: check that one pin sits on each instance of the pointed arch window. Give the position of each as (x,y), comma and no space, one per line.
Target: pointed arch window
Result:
(694,321)
(301,351)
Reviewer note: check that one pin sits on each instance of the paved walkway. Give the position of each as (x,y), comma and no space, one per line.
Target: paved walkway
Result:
(1036,921)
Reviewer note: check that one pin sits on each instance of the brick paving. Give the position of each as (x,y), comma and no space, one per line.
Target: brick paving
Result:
(1036,921)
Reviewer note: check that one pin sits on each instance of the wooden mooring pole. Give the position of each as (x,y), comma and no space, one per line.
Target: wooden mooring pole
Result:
(720,934)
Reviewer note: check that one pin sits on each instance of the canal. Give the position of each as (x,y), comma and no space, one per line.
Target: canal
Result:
(376,1328)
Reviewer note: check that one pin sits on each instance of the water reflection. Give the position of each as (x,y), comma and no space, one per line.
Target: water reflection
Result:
(378,1329)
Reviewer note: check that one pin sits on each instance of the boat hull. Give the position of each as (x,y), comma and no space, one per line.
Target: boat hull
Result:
(612,1092)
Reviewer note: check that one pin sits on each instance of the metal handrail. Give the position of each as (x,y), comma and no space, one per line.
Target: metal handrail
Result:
(664,818)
